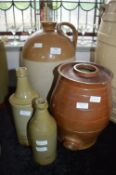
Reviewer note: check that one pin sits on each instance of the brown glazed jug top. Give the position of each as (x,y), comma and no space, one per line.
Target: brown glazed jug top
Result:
(48,26)
(51,43)
(85,73)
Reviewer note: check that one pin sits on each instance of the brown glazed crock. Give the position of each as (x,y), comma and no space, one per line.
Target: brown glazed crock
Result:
(81,103)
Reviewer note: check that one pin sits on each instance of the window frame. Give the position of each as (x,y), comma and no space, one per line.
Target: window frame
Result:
(43,4)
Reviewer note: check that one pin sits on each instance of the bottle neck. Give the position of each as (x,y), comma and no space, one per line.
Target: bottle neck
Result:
(41,113)
(23,89)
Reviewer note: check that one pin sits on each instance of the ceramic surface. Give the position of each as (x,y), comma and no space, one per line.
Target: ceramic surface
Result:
(3,73)
(44,51)
(21,103)
(42,133)
(81,103)
(106,47)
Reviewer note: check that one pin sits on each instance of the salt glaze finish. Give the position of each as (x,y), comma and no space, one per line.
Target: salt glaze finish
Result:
(21,103)
(106,47)
(81,103)
(42,134)
(45,50)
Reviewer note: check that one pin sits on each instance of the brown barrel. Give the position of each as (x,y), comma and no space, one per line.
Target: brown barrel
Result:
(3,73)
(81,103)
(106,46)
(46,49)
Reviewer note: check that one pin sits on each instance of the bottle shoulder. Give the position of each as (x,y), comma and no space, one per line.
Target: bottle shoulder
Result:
(42,122)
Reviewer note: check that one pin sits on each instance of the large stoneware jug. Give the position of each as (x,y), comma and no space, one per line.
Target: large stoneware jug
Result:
(3,74)
(81,103)
(46,49)
(106,46)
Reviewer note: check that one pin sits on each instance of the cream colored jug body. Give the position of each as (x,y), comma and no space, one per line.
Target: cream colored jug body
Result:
(42,133)
(21,102)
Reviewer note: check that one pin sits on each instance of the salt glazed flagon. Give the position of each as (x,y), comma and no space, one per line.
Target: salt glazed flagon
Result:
(46,49)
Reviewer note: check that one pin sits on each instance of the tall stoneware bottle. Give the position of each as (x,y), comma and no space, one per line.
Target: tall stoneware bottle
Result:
(3,74)
(42,133)
(21,102)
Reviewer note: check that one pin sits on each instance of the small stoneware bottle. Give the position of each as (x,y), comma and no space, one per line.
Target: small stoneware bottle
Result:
(42,133)
(21,103)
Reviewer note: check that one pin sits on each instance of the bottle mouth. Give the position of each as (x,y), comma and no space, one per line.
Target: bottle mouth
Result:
(86,70)
(41,103)
(21,71)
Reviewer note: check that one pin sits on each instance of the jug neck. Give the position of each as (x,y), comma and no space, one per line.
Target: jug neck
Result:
(41,112)
(48,26)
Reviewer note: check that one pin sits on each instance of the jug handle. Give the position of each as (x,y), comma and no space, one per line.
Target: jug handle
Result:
(103,9)
(74,31)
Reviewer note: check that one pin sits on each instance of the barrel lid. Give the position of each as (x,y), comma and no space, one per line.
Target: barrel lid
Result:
(85,72)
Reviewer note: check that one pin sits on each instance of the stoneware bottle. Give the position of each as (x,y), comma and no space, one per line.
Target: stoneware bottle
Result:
(21,102)
(42,133)
(3,74)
